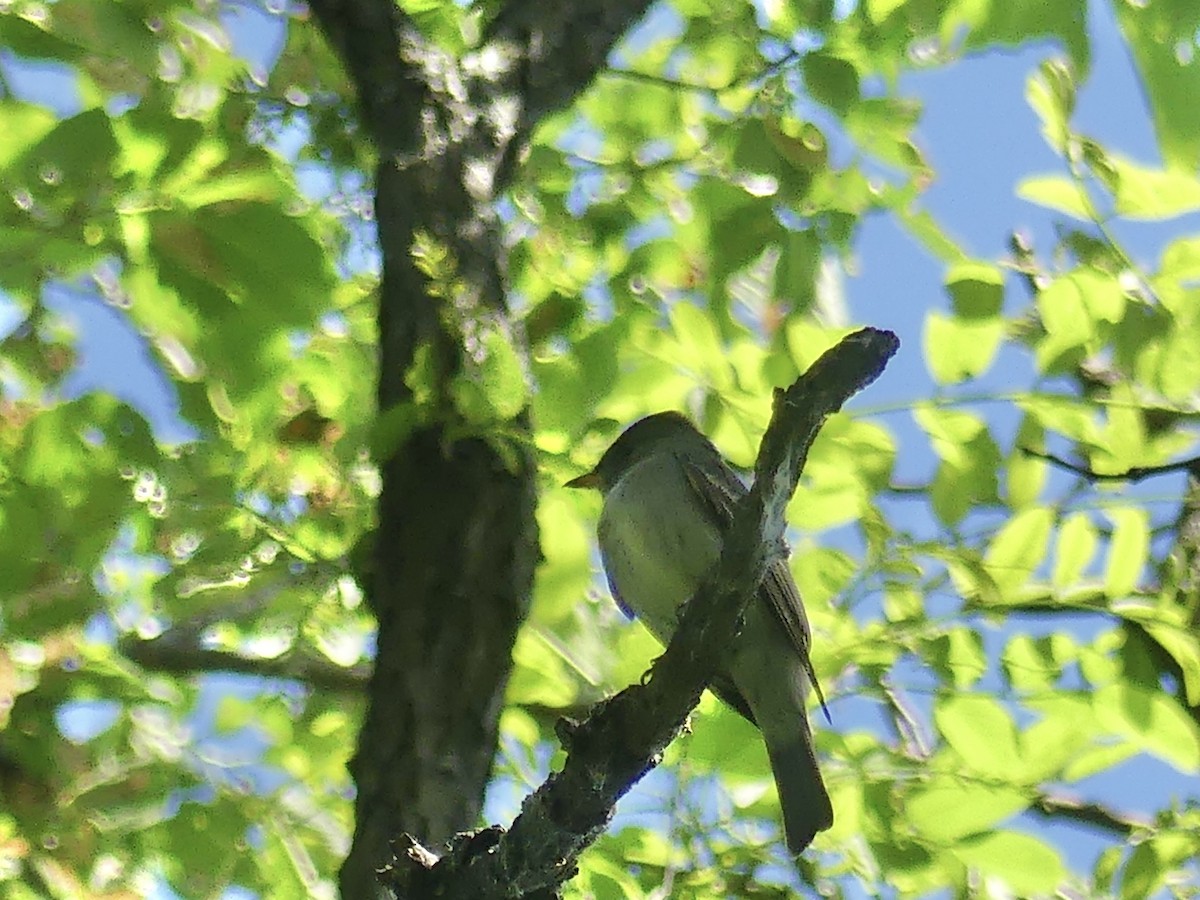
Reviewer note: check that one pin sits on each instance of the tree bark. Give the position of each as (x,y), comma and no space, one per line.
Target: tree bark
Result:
(456,544)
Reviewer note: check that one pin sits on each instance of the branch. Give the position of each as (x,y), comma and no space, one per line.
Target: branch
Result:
(626,736)
(551,53)
(1062,806)
(906,721)
(173,653)
(369,37)
(1135,474)
(563,45)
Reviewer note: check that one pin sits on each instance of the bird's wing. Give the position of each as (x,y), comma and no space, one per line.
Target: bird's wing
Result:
(720,490)
(722,685)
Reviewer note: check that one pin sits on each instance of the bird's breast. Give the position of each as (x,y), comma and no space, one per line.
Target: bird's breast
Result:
(656,541)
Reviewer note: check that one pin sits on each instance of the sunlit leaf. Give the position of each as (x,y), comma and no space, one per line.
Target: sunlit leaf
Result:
(1152,720)
(1055,192)
(948,809)
(1051,93)
(1158,34)
(1075,548)
(1146,193)
(1008,23)
(1019,548)
(980,730)
(956,349)
(1127,551)
(1025,863)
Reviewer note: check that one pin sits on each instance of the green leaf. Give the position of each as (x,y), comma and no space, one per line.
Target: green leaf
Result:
(700,346)
(1124,436)
(442,23)
(1077,539)
(822,573)
(391,430)
(1128,550)
(1051,94)
(1153,194)
(980,731)
(901,603)
(1178,369)
(604,875)
(1029,663)
(1048,746)
(1026,475)
(956,491)
(1102,293)
(1055,192)
(492,387)
(831,80)
(79,148)
(740,227)
(20,35)
(871,447)
(1011,23)
(21,126)
(796,271)
(1180,260)
(1019,548)
(831,495)
(754,150)
(1026,864)
(728,744)
(552,317)
(1152,720)
(950,431)
(1069,717)
(1098,662)
(1157,33)
(1065,316)
(1142,873)
(959,655)
(248,182)
(541,672)
(806,341)
(1183,644)
(956,349)
(933,237)
(976,290)
(970,460)
(1068,416)
(948,809)
(253,252)
(234,713)
(883,127)
(1097,758)
(879,10)
(1106,868)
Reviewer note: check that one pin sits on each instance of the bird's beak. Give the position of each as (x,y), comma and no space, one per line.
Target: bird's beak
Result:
(586,480)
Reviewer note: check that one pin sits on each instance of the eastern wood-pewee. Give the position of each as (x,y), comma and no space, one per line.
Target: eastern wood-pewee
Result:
(668,501)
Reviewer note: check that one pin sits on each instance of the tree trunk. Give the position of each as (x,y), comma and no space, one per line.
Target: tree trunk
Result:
(456,545)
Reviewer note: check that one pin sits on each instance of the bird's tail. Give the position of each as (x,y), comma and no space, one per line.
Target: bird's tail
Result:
(802,794)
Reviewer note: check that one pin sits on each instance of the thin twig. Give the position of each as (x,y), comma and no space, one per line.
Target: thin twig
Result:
(1135,474)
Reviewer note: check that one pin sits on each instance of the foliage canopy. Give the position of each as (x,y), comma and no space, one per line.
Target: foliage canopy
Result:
(991,636)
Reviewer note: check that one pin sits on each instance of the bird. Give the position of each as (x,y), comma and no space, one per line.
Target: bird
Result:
(668,501)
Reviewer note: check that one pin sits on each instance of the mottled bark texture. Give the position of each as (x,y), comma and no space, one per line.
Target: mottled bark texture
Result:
(456,544)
